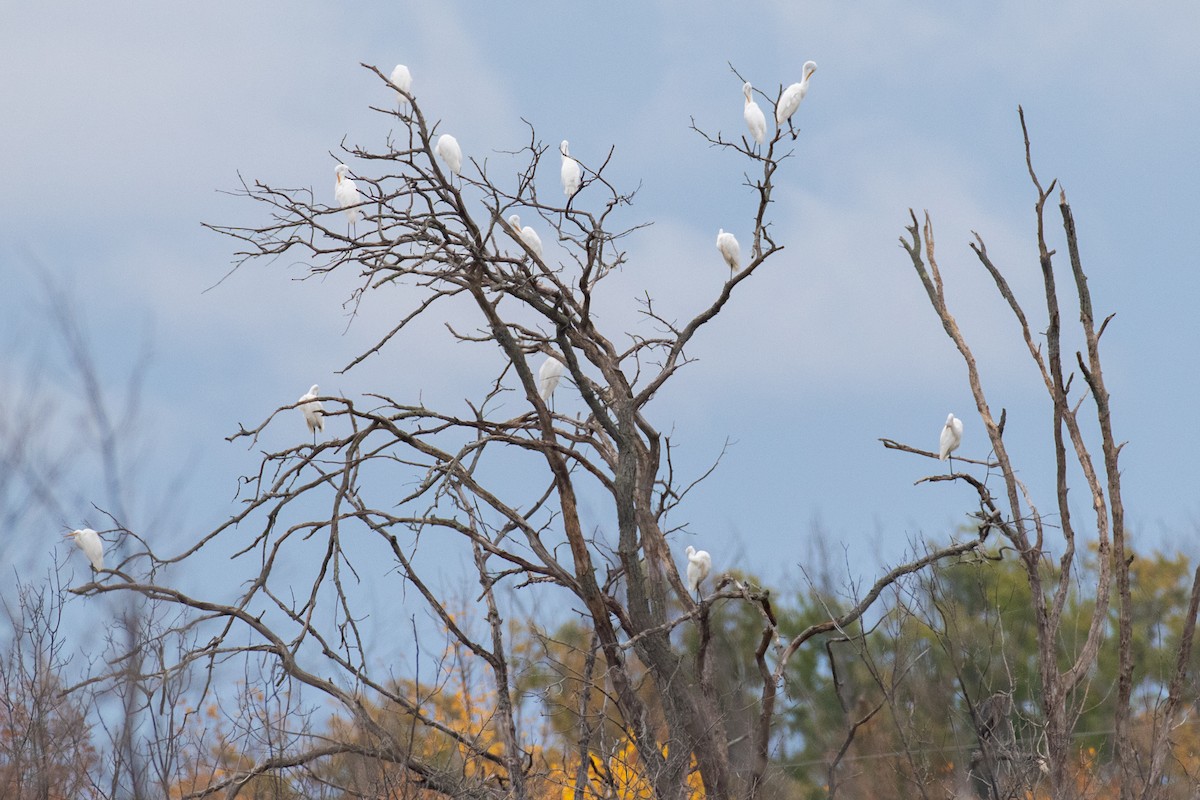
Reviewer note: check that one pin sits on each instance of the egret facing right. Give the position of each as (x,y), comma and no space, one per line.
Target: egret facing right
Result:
(313,410)
(951,438)
(789,101)
(90,543)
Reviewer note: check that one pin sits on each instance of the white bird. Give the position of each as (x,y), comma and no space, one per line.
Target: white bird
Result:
(447,147)
(699,565)
(528,234)
(572,173)
(401,79)
(730,250)
(789,101)
(756,121)
(548,377)
(314,412)
(91,545)
(951,438)
(345,191)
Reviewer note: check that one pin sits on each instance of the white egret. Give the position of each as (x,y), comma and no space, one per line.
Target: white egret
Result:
(699,565)
(572,173)
(951,438)
(447,147)
(730,250)
(314,412)
(528,234)
(346,193)
(91,545)
(401,79)
(548,377)
(789,101)
(756,121)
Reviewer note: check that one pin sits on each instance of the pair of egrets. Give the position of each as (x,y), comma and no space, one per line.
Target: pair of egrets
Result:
(788,105)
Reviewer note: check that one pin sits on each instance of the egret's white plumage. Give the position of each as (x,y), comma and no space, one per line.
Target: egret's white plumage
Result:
(730,250)
(756,121)
(548,377)
(447,147)
(528,234)
(572,173)
(951,437)
(789,101)
(314,412)
(699,565)
(90,543)
(402,79)
(346,193)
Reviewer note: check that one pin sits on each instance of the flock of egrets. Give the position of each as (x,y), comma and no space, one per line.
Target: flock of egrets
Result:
(448,150)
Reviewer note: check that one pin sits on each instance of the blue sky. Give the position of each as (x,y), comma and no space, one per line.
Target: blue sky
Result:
(125,121)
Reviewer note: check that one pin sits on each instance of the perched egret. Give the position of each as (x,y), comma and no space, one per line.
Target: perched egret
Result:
(91,545)
(528,234)
(572,174)
(548,377)
(789,101)
(756,121)
(730,250)
(314,412)
(401,79)
(699,565)
(346,193)
(951,439)
(447,147)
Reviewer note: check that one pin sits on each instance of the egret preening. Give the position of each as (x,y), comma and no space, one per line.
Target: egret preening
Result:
(401,79)
(346,193)
(730,250)
(789,101)
(572,173)
(548,377)
(756,121)
(91,545)
(951,439)
(528,234)
(447,147)
(699,565)
(314,412)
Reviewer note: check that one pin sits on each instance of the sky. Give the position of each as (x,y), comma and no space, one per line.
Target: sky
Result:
(128,125)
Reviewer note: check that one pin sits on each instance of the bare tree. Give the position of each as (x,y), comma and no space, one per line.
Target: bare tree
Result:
(1013,514)
(444,236)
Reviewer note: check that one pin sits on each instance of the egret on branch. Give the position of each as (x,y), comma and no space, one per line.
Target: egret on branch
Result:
(346,193)
(314,412)
(730,250)
(91,545)
(528,234)
(401,79)
(548,377)
(756,121)
(699,565)
(447,147)
(572,173)
(789,101)
(951,438)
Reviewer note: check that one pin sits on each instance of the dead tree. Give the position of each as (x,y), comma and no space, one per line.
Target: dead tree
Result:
(1032,533)
(390,474)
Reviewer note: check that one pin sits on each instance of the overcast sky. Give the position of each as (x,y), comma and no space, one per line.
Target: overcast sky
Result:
(124,121)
